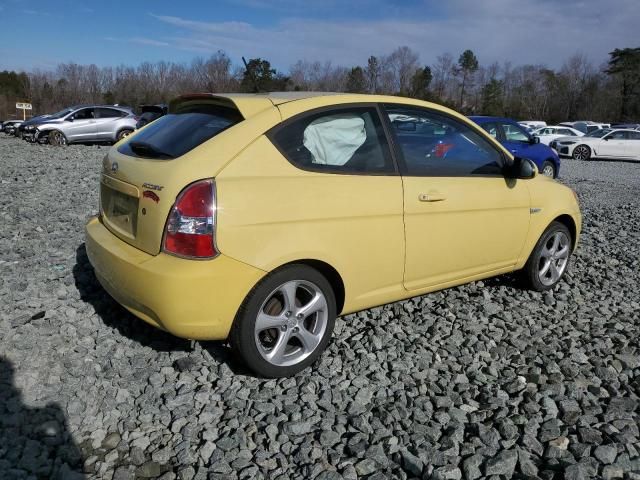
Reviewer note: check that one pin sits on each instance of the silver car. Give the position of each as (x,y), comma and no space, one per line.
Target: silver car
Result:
(86,123)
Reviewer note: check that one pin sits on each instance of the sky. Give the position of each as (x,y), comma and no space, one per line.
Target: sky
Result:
(38,34)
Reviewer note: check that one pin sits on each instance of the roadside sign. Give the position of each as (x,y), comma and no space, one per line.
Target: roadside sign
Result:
(24,107)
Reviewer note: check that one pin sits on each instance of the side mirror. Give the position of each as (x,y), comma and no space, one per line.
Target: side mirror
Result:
(522,168)
(70,119)
(534,139)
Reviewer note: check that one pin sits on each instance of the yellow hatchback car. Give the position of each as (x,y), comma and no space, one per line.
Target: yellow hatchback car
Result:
(260,218)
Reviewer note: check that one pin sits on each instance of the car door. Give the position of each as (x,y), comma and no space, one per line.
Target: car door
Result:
(462,217)
(332,193)
(80,125)
(614,145)
(633,145)
(106,122)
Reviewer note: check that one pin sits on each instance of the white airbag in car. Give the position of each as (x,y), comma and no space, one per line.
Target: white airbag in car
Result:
(332,140)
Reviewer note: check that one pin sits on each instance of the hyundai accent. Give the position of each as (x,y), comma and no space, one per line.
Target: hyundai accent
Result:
(259,218)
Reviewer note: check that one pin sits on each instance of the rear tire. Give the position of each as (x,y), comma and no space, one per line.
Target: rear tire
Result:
(549,260)
(581,152)
(285,323)
(123,133)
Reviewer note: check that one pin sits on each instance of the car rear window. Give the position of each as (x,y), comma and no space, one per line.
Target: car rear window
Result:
(183,130)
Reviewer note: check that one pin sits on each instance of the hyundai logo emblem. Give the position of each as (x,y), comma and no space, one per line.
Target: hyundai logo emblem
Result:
(114,167)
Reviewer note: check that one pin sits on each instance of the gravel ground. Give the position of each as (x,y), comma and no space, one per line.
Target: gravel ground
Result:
(484,380)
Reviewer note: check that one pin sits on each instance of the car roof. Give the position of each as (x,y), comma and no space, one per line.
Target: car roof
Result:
(249,104)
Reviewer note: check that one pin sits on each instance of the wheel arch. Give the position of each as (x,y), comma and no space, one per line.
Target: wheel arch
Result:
(569,222)
(329,272)
(122,129)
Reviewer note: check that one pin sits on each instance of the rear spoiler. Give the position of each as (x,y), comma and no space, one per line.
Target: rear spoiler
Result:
(247,104)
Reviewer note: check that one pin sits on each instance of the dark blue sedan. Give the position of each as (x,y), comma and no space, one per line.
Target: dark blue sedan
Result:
(520,143)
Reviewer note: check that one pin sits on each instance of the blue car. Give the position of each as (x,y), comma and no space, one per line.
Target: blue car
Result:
(522,144)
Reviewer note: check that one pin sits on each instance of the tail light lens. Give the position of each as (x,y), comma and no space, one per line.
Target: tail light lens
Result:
(190,226)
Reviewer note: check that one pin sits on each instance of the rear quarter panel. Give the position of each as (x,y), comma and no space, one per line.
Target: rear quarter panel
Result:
(271,213)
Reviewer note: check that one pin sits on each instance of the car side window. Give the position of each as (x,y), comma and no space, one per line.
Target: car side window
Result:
(109,113)
(440,146)
(513,133)
(634,135)
(617,136)
(348,140)
(84,114)
(567,132)
(491,129)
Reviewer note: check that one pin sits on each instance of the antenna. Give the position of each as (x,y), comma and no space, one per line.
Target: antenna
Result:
(254,80)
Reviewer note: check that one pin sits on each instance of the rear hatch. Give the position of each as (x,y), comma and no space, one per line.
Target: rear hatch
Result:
(143,175)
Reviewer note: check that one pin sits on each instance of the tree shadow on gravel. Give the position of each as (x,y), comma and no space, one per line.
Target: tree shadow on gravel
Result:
(116,316)
(34,442)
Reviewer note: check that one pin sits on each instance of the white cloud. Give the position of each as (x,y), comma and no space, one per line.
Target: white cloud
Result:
(139,40)
(521,31)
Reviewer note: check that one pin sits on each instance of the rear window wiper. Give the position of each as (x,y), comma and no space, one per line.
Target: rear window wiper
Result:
(147,150)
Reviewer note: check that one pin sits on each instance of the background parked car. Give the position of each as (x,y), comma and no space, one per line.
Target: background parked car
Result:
(149,113)
(10,126)
(629,126)
(606,142)
(521,143)
(530,125)
(27,128)
(87,123)
(585,126)
(547,134)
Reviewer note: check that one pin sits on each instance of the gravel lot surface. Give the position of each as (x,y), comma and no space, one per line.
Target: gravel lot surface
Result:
(484,380)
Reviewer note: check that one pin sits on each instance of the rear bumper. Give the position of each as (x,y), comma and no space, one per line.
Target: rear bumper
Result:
(188,298)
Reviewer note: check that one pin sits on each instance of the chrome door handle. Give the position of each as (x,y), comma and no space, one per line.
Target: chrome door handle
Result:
(431,197)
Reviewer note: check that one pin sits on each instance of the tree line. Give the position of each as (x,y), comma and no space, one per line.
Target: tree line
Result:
(577,90)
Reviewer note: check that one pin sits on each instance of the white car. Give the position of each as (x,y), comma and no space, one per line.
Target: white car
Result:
(533,124)
(603,143)
(547,134)
(585,126)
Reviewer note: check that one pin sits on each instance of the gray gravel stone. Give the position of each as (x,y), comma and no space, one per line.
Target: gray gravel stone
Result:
(502,464)
(482,380)
(606,453)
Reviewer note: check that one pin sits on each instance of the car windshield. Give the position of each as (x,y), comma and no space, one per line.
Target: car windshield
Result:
(62,113)
(599,133)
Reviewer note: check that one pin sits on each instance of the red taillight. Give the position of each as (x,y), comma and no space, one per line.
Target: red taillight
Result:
(190,226)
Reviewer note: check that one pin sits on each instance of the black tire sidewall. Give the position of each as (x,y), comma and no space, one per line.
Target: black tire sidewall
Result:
(242,331)
(531,267)
(550,163)
(61,137)
(582,145)
(123,133)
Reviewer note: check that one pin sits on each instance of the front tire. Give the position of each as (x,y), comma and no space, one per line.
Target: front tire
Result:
(549,260)
(285,322)
(548,169)
(581,152)
(57,138)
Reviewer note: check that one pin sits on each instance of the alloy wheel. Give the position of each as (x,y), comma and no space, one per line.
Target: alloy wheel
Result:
(291,323)
(548,170)
(581,152)
(553,258)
